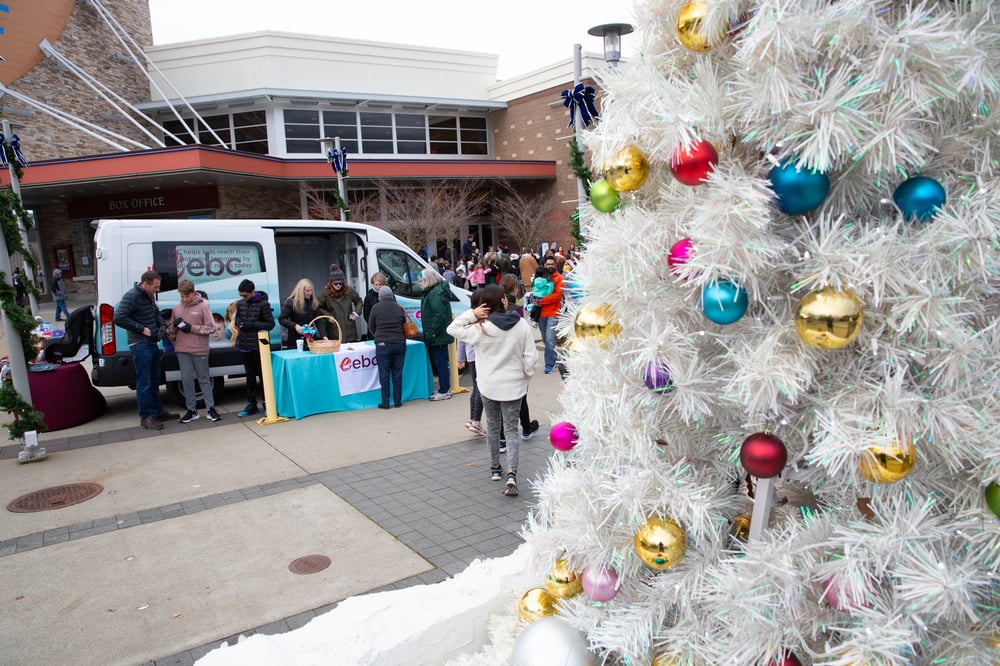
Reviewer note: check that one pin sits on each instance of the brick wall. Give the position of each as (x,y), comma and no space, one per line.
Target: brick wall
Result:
(533,128)
(248,203)
(88,43)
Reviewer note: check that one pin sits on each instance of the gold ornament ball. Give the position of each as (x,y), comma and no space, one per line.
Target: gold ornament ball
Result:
(596,323)
(690,27)
(663,659)
(628,170)
(888,464)
(740,529)
(660,543)
(562,581)
(829,318)
(535,604)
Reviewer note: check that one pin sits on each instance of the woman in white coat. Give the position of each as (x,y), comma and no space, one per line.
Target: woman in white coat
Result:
(505,361)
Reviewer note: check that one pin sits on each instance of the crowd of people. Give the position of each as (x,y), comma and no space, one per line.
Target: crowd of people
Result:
(493,340)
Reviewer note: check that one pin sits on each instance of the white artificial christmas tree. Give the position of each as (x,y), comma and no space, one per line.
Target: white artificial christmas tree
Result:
(869,347)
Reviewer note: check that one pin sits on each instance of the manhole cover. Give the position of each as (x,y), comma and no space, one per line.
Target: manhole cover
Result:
(309,564)
(55,497)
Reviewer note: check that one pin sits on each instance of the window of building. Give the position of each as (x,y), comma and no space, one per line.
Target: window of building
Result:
(245,131)
(385,133)
(345,125)
(376,132)
(302,132)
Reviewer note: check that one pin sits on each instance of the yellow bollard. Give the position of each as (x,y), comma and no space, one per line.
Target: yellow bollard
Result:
(267,379)
(453,369)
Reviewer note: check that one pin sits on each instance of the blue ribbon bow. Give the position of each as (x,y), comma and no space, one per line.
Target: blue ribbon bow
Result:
(582,98)
(15,143)
(308,330)
(338,160)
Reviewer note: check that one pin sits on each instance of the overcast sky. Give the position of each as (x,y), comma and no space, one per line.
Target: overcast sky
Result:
(526,34)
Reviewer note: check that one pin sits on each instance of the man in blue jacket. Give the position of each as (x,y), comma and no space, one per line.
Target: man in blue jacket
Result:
(139,314)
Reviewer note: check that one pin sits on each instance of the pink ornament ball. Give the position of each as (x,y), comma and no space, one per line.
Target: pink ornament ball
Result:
(563,436)
(600,583)
(680,253)
(839,596)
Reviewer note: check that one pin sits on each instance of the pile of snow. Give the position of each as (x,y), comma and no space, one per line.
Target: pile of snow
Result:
(426,624)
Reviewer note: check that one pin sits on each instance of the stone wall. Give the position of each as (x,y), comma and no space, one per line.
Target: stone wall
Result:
(90,45)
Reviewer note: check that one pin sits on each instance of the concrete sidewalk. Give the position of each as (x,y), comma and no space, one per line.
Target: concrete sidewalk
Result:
(190,541)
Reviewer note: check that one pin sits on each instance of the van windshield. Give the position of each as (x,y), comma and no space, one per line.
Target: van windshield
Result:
(402,271)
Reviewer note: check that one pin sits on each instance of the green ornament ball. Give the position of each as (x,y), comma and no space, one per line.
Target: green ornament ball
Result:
(604,197)
(993,498)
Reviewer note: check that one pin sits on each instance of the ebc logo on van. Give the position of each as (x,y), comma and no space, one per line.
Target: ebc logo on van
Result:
(205,262)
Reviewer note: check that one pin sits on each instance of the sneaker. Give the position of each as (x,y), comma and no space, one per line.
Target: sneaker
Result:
(510,488)
(440,396)
(152,423)
(250,409)
(496,473)
(189,416)
(164,415)
(548,369)
(503,445)
(475,428)
(530,431)
(213,415)
(383,406)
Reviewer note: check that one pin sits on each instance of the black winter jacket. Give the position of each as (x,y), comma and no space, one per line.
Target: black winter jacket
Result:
(252,316)
(137,311)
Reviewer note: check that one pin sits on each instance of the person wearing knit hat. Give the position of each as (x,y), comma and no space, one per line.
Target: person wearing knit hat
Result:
(341,302)
(59,294)
(386,326)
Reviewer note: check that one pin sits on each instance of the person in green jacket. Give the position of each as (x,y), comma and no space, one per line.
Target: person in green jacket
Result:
(341,302)
(435,316)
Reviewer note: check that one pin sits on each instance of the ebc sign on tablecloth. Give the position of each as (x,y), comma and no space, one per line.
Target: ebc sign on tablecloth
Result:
(357,369)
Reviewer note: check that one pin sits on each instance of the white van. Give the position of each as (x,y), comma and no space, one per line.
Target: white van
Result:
(217,255)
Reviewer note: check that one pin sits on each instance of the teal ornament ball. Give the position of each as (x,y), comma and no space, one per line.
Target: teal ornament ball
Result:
(993,498)
(919,198)
(798,191)
(724,302)
(604,197)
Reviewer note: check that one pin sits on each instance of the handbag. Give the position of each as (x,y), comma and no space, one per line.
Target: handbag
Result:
(410,329)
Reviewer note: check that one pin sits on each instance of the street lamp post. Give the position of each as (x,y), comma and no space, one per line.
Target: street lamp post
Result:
(612,34)
(338,160)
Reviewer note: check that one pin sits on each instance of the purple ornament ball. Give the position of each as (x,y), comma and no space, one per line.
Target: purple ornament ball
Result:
(563,436)
(658,378)
(600,583)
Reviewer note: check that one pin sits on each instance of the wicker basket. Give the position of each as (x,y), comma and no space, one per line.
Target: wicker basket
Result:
(326,346)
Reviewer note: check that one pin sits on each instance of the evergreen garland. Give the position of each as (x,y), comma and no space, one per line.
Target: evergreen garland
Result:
(579,165)
(13,218)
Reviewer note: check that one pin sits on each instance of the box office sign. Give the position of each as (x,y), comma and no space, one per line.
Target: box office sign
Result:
(155,202)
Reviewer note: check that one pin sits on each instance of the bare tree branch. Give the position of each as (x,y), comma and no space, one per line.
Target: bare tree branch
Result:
(523,217)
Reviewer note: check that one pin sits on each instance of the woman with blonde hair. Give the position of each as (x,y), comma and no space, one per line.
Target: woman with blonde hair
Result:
(300,308)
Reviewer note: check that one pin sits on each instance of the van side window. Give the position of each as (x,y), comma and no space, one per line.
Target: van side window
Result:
(204,262)
(402,271)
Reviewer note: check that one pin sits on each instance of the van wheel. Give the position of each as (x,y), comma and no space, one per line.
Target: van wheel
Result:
(175,392)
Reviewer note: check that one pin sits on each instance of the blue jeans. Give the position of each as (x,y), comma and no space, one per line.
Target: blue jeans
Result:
(547,325)
(439,357)
(61,307)
(146,360)
(390,357)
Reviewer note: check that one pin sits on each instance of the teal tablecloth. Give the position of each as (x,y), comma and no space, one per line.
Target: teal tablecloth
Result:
(306,383)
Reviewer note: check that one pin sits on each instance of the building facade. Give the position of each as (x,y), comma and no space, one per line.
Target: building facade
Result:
(233,127)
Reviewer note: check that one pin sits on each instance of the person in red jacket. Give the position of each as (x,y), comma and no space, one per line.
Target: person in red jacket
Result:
(551,306)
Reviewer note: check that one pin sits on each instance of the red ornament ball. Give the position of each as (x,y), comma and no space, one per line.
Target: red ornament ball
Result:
(786,659)
(692,166)
(763,455)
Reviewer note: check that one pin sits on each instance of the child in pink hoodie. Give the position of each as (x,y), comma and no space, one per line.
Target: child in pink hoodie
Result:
(191,325)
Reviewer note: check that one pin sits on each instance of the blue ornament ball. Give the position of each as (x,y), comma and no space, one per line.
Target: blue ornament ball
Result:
(573,286)
(798,191)
(658,378)
(724,302)
(919,198)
